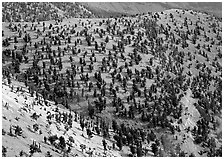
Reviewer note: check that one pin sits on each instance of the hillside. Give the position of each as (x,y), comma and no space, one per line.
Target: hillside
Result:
(144,85)
(38,11)
(58,10)
(20,109)
(145,7)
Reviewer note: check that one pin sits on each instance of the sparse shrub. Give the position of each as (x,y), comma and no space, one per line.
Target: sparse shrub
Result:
(53,138)
(4,151)
(3,132)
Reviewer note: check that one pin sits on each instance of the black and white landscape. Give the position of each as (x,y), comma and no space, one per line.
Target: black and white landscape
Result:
(83,79)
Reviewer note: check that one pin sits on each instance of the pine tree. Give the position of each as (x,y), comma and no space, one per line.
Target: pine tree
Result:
(62,142)
(154,149)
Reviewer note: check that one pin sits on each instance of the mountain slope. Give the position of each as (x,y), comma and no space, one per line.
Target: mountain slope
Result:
(144,7)
(18,111)
(157,75)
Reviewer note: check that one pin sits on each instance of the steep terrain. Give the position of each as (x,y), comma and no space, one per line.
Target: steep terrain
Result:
(19,109)
(150,85)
